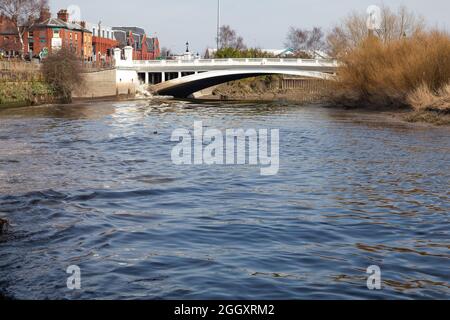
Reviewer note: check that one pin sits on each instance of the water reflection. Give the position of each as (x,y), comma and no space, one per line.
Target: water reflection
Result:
(93,185)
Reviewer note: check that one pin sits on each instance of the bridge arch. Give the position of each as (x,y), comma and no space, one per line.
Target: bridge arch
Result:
(185,87)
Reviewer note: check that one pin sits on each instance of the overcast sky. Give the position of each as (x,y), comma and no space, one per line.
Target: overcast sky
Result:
(262,23)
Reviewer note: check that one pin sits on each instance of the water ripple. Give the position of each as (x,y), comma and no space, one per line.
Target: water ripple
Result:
(93,185)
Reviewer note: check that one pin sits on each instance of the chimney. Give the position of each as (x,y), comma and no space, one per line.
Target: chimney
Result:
(63,15)
(44,14)
(83,24)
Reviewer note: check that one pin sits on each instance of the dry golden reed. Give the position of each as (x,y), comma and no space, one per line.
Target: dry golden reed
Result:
(396,73)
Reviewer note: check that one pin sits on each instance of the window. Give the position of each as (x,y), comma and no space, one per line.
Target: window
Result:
(76,36)
(30,34)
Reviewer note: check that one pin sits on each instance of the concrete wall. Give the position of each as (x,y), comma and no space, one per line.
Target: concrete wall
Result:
(107,84)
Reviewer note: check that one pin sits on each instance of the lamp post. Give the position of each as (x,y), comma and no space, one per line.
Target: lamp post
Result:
(218,24)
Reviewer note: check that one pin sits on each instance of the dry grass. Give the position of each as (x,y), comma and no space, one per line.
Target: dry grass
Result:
(425,99)
(430,106)
(394,74)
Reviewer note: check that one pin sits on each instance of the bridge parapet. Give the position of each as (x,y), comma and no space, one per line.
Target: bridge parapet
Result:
(236,62)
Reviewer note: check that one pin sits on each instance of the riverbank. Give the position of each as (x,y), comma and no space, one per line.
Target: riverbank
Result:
(303,91)
(273,88)
(405,115)
(267,88)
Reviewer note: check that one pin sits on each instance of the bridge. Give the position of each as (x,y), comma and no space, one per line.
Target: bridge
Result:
(182,78)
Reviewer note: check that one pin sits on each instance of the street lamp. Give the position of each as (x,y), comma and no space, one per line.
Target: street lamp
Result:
(218,24)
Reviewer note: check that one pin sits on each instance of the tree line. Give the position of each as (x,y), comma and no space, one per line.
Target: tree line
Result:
(346,35)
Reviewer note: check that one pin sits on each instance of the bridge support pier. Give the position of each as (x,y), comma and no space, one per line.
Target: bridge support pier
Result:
(163,77)
(147,78)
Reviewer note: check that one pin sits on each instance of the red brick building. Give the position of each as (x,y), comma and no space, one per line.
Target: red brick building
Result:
(49,34)
(9,41)
(144,47)
(91,42)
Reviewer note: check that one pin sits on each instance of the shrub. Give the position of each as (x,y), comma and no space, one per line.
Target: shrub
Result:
(63,72)
(245,53)
(386,74)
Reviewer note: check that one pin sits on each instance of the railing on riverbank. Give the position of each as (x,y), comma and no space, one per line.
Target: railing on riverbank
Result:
(96,66)
(306,90)
(308,85)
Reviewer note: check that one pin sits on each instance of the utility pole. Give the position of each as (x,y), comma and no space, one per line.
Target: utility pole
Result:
(218,24)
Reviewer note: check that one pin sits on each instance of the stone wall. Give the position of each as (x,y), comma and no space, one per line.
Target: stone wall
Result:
(104,83)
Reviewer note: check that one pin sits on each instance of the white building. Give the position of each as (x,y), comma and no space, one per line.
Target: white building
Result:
(101,31)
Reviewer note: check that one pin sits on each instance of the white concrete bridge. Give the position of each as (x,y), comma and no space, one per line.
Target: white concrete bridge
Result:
(182,78)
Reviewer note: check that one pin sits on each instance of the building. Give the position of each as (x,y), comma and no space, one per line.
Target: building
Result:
(103,42)
(56,33)
(144,47)
(9,41)
(49,34)
(92,42)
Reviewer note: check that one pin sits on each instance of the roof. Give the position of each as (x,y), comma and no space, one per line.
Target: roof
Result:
(58,23)
(135,30)
(279,52)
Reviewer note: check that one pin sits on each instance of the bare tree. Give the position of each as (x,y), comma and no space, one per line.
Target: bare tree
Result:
(303,40)
(228,38)
(296,39)
(353,29)
(396,25)
(23,14)
(316,39)
(239,43)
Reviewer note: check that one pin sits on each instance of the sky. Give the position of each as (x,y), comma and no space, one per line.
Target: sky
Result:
(262,23)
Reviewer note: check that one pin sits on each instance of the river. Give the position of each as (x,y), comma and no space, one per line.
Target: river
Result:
(93,185)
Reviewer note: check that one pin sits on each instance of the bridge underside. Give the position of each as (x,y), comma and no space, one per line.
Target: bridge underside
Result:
(185,87)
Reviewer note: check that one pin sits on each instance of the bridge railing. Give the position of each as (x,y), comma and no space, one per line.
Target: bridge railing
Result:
(240,61)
